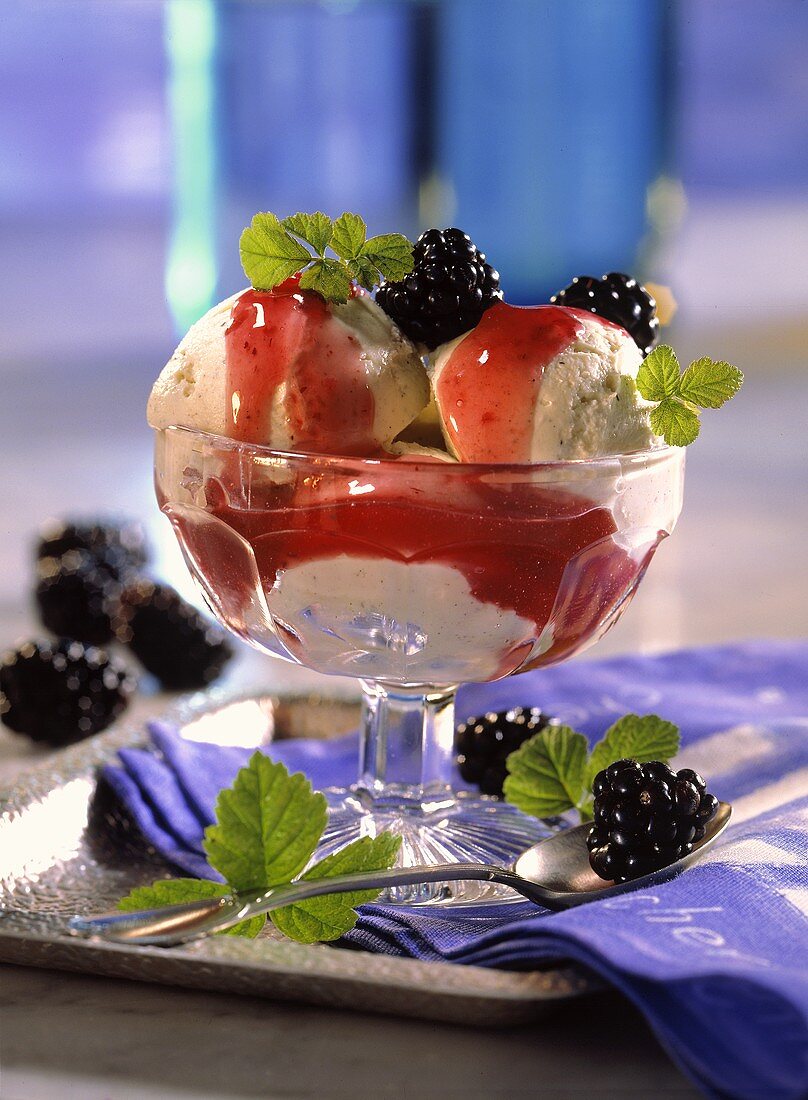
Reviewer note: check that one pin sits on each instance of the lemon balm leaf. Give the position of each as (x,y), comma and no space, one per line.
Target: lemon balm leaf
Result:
(364,272)
(709,384)
(268,823)
(175,891)
(331,916)
(546,775)
(349,236)
(269,254)
(658,376)
(329,278)
(391,253)
(316,229)
(273,250)
(676,422)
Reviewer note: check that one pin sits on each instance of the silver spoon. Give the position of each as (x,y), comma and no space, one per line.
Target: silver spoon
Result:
(554,873)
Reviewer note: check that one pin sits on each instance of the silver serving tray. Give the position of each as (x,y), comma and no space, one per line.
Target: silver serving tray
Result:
(66,849)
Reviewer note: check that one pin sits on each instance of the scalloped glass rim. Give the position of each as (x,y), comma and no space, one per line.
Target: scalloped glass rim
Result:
(452,469)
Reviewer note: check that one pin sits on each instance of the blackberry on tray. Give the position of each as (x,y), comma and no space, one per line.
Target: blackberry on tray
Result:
(61,692)
(646,816)
(169,637)
(484,744)
(618,298)
(447,291)
(117,545)
(76,597)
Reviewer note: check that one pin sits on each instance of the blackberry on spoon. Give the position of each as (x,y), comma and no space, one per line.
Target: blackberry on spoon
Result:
(646,816)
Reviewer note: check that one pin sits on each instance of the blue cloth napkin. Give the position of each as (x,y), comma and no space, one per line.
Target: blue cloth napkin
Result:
(716,959)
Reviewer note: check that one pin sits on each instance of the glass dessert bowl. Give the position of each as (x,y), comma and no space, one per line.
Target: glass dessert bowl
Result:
(415,576)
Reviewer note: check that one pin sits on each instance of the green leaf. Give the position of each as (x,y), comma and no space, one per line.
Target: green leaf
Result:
(364,272)
(546,775)
(267,826)
(349,235)
(331,916)
(709,384)
(269,255)
(677,423)
(175,891)
(329,278)
(315,228)
(658,376)
(639,737)
(391,253)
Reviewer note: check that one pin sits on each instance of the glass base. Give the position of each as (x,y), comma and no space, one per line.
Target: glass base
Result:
(445,827)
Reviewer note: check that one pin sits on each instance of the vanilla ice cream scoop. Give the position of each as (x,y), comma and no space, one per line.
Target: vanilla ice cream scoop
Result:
(287,370)
(540,384)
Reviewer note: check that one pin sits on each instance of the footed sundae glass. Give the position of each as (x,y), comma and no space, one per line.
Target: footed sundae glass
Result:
(415,576)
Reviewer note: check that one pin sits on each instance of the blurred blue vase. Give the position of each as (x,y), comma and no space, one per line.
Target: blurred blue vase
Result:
(536,126)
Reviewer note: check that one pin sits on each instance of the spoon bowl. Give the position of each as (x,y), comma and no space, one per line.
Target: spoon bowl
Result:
(554,874)
(561,865)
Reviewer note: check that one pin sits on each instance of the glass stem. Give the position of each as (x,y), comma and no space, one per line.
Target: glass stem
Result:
(407,739)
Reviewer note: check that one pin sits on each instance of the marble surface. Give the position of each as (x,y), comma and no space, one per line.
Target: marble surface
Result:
(734,568)
(73,1037)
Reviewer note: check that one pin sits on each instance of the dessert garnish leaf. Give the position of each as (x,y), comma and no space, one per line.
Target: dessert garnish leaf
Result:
(365,273)
(272,250)
(709,384)
(331,916)
(175,891)
(329,278)
(676,422)
(316,229)
(706,384)
(660,374)
(390,253)
(546,774)
(268,825)
(269,254)
(350,232)
(553,772)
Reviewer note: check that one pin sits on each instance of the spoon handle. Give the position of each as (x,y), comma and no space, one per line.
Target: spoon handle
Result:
(176,924)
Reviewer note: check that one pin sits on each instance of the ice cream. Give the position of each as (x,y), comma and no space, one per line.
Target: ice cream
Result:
(540,384)
(418,568)
(287,370)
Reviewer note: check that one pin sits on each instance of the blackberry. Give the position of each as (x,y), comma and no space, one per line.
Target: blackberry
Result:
(484,744)
(76,597)
(170,638)
(617,298)
(118,546)
(447,291)
(646,816)
(61,692)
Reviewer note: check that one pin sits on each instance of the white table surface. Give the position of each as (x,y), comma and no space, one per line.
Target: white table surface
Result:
(734,568)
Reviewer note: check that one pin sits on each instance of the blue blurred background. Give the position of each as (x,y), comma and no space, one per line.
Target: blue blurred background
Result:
(665,137)
(567,136)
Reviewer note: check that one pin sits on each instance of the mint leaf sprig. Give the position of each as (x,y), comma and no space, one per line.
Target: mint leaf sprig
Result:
(268,824)
(272,250)
(706,384)
(553,771)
